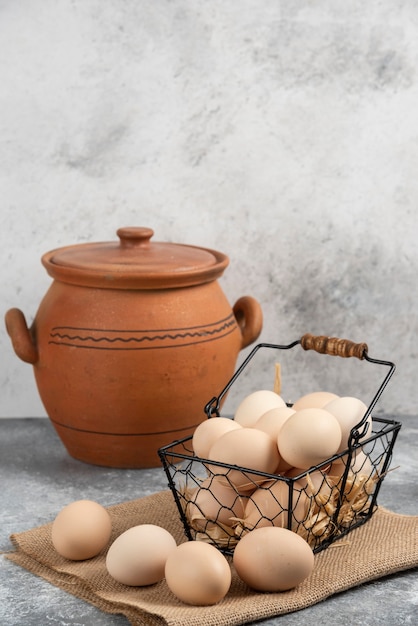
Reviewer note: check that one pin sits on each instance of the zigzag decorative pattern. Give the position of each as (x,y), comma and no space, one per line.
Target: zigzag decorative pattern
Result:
(159,338)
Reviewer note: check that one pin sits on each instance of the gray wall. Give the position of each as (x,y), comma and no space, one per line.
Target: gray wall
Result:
(284,134)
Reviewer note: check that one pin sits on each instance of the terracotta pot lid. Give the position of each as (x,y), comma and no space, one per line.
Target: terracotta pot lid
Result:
(134,262)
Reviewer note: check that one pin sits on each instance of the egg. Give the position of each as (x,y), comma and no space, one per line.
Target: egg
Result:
(282,467)
(349,412)
(214,502)
(272,421)
(360,464)
(268,505)
(311,481)
(248,448)
(255,404)
(316,485)
(273,559)
(207,432)
(309,437)
(197,573)
(314,400)
(81,530)
(137,557)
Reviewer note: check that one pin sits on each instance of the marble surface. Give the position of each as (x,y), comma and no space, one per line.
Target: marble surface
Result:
(284,135)
(38,478)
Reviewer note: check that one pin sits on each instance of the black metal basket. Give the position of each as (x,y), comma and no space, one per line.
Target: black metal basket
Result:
(316,504)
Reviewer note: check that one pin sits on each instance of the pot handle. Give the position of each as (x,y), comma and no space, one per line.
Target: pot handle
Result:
(21,336)
(249,318)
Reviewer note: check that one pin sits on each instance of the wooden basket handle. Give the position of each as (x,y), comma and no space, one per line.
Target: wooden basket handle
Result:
(333,346)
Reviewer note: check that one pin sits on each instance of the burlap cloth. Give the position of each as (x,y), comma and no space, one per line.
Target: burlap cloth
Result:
(384,545)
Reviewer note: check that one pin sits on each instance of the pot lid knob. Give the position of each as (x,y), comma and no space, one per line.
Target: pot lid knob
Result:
(134,237)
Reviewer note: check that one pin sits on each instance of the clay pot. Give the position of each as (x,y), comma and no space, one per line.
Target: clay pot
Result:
(130,342)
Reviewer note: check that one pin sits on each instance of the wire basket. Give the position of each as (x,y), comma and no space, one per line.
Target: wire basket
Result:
(319,504)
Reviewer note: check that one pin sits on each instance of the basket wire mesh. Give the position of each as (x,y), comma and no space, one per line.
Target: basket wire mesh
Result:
(320,504)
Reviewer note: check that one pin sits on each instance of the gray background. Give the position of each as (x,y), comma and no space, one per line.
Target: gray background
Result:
(284,134)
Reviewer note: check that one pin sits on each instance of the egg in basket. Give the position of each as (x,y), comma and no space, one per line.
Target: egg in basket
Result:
(314,466)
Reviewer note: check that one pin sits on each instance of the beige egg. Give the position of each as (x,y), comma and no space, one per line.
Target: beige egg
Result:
(282,467)
(255,404)
(314,400)
(312,482)
(269,506)
(272,421)
(248,448)
(309,437)
(317,485)
(214,502)
(273,559)
(360,464)
(197,573)
(292,472)
(349,412)
(81,530)
(137,557)
(207,432)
